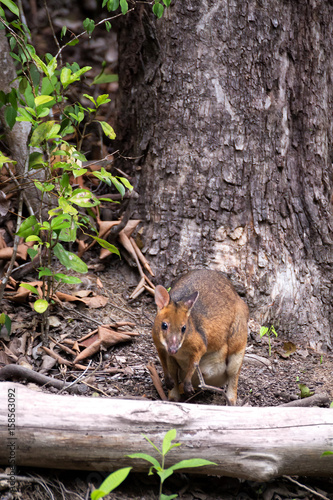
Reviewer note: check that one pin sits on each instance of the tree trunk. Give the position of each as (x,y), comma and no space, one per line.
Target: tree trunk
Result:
(228,108)
(17,137)
(44,430)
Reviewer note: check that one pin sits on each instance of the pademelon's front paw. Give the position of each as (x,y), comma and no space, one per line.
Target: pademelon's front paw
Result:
(174,395)
(188,388)
(169,382)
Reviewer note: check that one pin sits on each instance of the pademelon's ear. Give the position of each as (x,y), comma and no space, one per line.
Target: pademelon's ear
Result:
(190,300)
(162,298)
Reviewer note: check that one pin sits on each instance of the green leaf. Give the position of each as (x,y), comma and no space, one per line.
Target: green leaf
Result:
(152,444)
(68,234)
(91,99)
(118,185)
(112,5)
(167,3)
(61,222)
(103,176)
(126,183)
(29,226)
(77,172)
(33,237)
(44,132)
(64,181)
(83,198)
(263,331)
(65,76)
(48,187)
(6,321)
(167,497)
(305,391)
(39,63)
(10,116)
(158,9)
(102,99)
(25,116)
(5,159)
(146,457)
(169,436)
(108,130)
(51,67)
(70,260)
(192,462)
(11,6)
(32,252)
(40,305)
(43,99)
(66,207)
(110,483)
(108,200)
(123,6)
(31,288)
(46,225)
(105,78)
(89,25)
(107,245)
(164,474)
(36,160)
(73,42)
(326,453)
(273,331)
(63,32)
(44,271)
(70,280)
(12,98)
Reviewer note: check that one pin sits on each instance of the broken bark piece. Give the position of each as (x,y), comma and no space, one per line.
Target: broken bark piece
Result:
(10,372)
(141,257)
(156,381)
(315,400)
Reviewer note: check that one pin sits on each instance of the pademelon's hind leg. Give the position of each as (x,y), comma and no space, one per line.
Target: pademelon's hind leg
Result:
(234,365)
(236,345)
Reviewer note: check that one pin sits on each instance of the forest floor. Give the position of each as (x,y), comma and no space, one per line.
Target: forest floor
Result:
(270,384)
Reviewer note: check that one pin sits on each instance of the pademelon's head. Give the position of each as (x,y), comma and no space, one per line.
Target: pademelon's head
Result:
(172,318)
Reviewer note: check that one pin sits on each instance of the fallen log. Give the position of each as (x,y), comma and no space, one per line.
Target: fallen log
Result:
(69,432)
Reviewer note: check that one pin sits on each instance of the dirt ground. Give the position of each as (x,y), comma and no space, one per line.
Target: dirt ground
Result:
(270,384)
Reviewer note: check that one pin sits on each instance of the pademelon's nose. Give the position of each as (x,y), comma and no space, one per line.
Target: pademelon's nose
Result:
(173,345)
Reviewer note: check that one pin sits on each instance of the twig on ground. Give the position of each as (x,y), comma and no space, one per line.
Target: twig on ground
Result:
(61,360)
(315,400)
(78,379)
(210,388)
(25,479)
(314,492)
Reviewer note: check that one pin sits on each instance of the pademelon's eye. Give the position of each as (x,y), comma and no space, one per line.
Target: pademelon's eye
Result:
(164,325)
(183,329)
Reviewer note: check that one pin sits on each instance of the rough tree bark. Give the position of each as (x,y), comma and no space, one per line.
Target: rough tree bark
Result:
(17,137)
(228,107)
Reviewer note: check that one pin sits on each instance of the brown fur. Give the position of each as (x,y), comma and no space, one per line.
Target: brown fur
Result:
(214,321)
